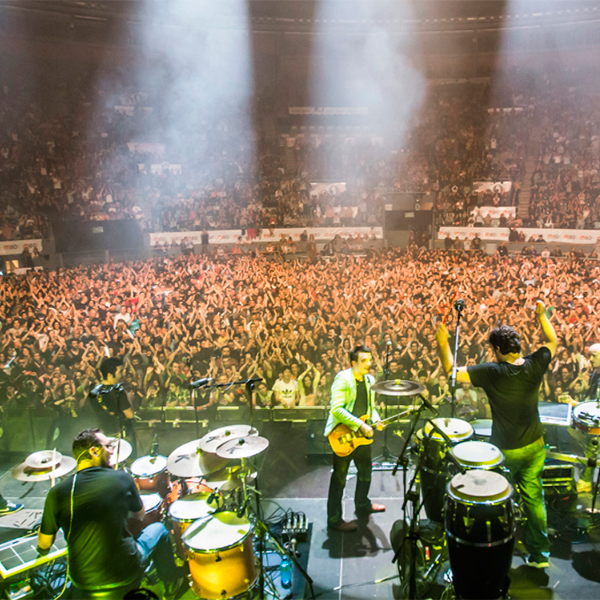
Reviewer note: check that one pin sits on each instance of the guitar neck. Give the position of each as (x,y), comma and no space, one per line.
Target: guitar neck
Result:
(390,420)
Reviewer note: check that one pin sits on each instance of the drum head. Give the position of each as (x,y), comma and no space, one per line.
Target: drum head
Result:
(588,413)
(478,455)
(479,486)
(456,429)
(192,507)
(151,501)
(219,532)
(482,427)
(148,466)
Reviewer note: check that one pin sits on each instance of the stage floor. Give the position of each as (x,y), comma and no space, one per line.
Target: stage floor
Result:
(351,565)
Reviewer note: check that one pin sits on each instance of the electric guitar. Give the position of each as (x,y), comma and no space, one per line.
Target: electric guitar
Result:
(344,441)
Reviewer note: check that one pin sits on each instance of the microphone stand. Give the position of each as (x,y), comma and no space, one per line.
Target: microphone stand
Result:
(459,306)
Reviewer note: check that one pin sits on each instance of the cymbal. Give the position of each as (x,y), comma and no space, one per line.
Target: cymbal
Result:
(398,387)
(213,439)
(121,451)
(23,472)
(44,459)
(243,447)
(190,461)
(230,478)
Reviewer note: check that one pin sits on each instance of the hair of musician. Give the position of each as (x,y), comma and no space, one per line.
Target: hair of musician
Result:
(109,366)
(86,439)
(353,354)
(505,339)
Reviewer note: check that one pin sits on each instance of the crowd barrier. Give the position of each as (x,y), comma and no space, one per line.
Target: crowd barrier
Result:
(31,432)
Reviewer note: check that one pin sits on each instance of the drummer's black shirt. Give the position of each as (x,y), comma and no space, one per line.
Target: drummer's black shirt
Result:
(513,392)
(102,552)
(361,405)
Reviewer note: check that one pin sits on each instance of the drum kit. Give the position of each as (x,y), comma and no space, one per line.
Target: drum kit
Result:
(460,481)
(201,491)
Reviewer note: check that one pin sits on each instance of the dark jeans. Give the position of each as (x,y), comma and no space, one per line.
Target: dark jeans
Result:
(526,465)
(362,459)
(153,543)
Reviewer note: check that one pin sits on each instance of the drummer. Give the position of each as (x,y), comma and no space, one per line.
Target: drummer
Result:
(512,384)
(92,508)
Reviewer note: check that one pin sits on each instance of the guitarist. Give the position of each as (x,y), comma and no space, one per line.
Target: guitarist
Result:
(352,398)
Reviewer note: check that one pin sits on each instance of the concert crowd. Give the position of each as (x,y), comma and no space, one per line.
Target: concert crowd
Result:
(69,150)
(291,323)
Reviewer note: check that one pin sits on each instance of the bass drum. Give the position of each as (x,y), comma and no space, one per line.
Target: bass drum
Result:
(221,555)
(479,522)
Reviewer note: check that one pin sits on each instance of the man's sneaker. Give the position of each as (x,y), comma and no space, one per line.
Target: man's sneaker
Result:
(538,562)
(9,508)
(584,487)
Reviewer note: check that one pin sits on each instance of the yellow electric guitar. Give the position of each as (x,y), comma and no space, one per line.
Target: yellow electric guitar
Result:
(344,441)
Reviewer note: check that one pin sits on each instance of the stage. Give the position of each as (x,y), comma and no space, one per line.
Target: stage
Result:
(358,564)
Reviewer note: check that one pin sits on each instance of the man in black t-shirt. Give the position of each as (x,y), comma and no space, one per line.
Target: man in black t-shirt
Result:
(92,508)
(352,398)
(512,385)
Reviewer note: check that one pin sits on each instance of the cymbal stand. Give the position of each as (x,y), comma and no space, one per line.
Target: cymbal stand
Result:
(384,460)
(412,495)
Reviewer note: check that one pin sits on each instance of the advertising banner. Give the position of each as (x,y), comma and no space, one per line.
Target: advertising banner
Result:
(231,236)
(17,246)
(551,236)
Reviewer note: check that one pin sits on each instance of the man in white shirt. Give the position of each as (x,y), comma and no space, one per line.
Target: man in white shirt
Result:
(286,389)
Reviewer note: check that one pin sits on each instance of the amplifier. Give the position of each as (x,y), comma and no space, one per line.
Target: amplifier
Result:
(560,490)
(557,473)
(317,444)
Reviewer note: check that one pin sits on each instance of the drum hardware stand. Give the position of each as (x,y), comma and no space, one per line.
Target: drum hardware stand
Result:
(459,305)
(383,461)
(414,534)
(412,496)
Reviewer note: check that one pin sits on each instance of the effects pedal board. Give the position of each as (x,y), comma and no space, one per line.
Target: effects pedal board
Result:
(296,526)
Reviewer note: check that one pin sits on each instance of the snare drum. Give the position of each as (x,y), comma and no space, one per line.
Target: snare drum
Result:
(185,511)
(221,555)
(479,523)
(150,474)
(153,504)
(586,417)
(478,455)
(433,473)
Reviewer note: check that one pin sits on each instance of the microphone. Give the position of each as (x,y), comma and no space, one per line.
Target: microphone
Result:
(200,383)
(459,305)
(254,380)
(430,406)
